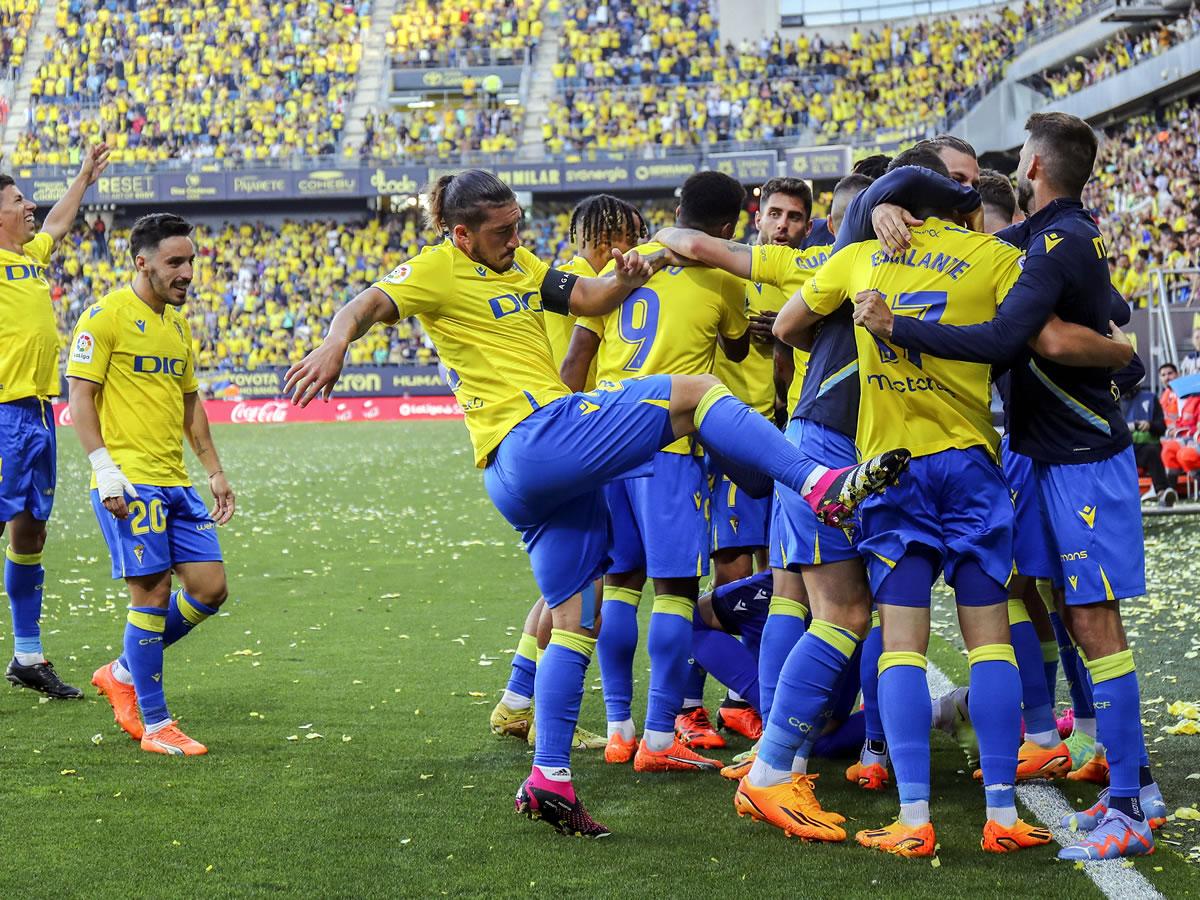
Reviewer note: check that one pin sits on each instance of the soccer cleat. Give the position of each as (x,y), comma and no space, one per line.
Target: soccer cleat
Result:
(42,678)
(693,729)
(743,720)
(741,765)
(1094,771)
(1114,837)
(562,812)
(676,758)
(838,492)
(618,750)
(804,789)
(1150,798)
(584,739)
(1036,762)
(791,807)
(900,839)
(123,699)
(999,838)
(516,723)
(963,730)
(872,777)
(172,742)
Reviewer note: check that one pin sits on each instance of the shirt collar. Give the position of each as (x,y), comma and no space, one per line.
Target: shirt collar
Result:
(1053,211)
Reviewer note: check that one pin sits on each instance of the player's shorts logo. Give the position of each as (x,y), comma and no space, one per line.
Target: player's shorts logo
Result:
(139,550)
(84,346)
(1074,579)
(1088,514)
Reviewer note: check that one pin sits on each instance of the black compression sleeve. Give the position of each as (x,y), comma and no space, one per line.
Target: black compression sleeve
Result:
(556,291)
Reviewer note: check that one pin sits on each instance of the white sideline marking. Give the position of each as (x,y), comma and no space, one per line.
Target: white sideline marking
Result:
(1047,802)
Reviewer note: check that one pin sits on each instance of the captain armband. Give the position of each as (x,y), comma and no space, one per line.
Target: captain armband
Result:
(556,291)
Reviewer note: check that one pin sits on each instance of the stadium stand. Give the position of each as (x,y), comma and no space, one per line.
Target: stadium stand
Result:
(443,132)
(252,80)
(464,32)
(16,20)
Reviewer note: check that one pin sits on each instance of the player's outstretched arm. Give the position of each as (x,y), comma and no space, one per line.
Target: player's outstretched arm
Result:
(319,371)
(199,435)
(578,361)
(796,323)
(111,482)
(62,215)
(600,295)
(880,212)
(1077,345)
(736,259)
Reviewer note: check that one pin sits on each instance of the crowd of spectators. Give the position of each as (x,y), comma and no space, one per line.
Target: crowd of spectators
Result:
(16,21)
(251,80)
(443,132)
(464,32)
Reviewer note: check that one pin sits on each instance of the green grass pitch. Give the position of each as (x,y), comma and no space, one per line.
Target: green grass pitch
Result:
(344,694)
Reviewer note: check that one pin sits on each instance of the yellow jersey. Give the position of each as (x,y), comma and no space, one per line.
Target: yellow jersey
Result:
(669,326)
(145,364)
(949,275)
(753,379)
(559,328)
(28,333)
(489,332)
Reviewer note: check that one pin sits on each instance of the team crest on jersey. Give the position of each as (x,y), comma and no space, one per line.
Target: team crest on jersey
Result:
(139,550)
(398,274)
(85,344)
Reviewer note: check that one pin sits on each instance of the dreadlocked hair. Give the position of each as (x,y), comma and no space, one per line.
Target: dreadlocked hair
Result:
(601,218)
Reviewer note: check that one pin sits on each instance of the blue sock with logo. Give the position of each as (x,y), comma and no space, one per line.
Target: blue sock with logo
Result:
(184,613)
(994,701)
(726,658)
(23,581)
(1119,720)
(868,670)
(907,714)
(615,649)
(558,686)
(782,631)
(669,644)
(144,628)
(807,682)
(1036,704)
(693,686)
(524,667)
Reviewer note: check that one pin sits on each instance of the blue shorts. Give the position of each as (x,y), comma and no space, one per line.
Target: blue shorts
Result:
(165,526)
(1092,516)
(797,537)
(546,476)
(28,461)
(742,606)
(660,524)
(1031,552)
(952,509)
(738,520)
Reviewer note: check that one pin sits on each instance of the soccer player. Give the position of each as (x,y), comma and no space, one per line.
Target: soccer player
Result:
(674,324)
(29,346)
(598,224)
(1068,420)
(546,452)
(134,397)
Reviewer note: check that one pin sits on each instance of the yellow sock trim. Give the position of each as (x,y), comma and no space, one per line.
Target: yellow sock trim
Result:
(1017,613)
(23,559)
(711,396)
(1106,668)
(540,653)
(193,615)
(1049,651)
(572,641)
(992,653)
(836,637)
(875,618)
(147,621)
(527,646)
(1046,591)
(1079,652)
(674,605)
(623,595)
(786,606)
(902,658)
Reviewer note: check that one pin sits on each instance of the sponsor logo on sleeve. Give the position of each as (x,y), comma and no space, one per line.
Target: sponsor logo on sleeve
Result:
(398,274)
(85,345)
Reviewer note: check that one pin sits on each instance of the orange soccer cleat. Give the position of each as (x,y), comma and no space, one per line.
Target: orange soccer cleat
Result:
(1034,762)
(693,729)
(171,741)
(676,758)
(791,807)
(123,699)
(998,838)
(618,750)
(742,720)
(1095,771)
(901,839)
(872,777)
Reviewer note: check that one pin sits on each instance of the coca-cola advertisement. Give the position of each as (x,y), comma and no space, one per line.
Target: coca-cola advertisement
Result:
(350,409)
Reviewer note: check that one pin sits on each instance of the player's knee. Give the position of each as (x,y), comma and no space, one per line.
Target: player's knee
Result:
(854,618)
(687,390)
(27,537)
(214,593)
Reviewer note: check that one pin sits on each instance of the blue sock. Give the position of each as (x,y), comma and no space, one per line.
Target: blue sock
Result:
(524,667)
(907,715)
(995,705)
(846,692)
(559,691)
(615,649)
(23,580)
(693,685)
(1050,668)
(783,630)
(807,682)
(872,649)
(1119,720)
(744,442)
(668,643)
(1081,688)
(144,628)
(845,740)
(184,613)
(1035,701)
(729,661)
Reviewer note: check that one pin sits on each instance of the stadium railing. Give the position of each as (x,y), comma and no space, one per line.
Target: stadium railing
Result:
(1172,312)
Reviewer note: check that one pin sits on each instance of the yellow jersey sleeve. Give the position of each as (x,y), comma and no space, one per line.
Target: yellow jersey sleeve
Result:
(40,248)
(417,286)
(535,268)
(190,384)
(827,289)
(594,324)
(92,345)
(771,264)
(1006,269)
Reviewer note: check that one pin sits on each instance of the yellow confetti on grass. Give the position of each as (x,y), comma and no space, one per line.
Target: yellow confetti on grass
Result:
(1184,709)
(1188,814)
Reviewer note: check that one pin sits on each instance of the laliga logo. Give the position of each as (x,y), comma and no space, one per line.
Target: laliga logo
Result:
(370,410)
(344,413)
(248,413)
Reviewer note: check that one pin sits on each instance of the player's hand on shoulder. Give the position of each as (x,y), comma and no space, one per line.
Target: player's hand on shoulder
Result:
(316,374)
(872,313)
(631,269)
(223,497)
(892,224)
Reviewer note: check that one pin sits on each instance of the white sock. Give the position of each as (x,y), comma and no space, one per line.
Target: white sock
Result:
(515,702)
(121,673)
(625,729)
(876,757)
(764,775)
(1044,739)
(555,773)
(914,813)
(799,765)
(811,481)
(29,659)
(157,726)
(1087,726)
(658,740)
(1001,815)
(691,702)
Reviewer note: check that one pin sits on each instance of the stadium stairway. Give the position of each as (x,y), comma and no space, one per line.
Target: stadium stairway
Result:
(43,27)
(373,72)
(540,91)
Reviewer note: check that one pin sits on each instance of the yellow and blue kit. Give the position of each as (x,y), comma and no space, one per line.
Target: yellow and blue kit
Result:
(559,328)
(144,363)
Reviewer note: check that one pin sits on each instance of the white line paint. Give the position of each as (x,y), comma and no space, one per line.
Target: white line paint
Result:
(1047,802)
